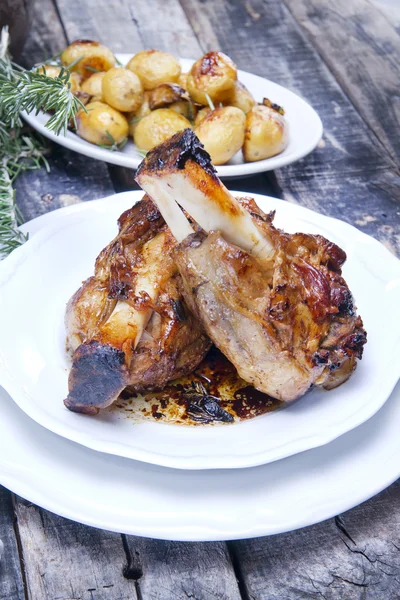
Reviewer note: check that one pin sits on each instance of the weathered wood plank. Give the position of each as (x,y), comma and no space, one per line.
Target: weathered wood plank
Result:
(362,49)
(73,177)
(349,175)
(129,26)
(355,556)
(391,11)
(70,561)
(165,570)
(11,583)
(45,36)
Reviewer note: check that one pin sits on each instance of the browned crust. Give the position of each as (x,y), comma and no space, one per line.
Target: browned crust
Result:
(174,153)
(98,375)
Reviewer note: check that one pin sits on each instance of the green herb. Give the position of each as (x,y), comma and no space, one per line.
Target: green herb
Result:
(92,69)
(210,102)
(135,120)
(52,59)
(20,148)
(141,152)
(113,146)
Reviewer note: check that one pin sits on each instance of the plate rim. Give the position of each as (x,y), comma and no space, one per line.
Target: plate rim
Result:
(175,461)
(224,171)
(26,486)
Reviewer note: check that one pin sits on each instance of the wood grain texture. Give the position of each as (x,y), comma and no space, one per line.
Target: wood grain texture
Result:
(11,583)
(177,570)
(73,177)
(349,175)
(45,36)
(353,557)
(129,26)
(68,561)
(362,49)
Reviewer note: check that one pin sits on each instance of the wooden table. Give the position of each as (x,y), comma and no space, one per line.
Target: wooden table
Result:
(344,58)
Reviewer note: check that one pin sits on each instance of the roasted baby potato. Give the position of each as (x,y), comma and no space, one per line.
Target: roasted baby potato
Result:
(242,98)
(266,133)
(86,57)
(101,124)
(166,94)
(214,74)
(158,126)
(222,133)
(135,117)
(49,70)
(154,67)
(93,86)
(122,89)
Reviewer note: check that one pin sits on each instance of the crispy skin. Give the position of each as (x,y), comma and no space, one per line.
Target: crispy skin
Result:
(286,324)
(105,316)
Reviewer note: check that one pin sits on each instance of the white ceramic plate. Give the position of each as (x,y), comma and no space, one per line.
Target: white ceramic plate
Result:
(38,279)
(131,497)
(305,129)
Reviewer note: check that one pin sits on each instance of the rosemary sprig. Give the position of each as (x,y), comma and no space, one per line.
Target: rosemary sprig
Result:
(10,236)
(20,148)
(32,91)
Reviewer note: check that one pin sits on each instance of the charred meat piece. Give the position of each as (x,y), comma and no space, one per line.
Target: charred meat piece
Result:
(128,325)
(275,304)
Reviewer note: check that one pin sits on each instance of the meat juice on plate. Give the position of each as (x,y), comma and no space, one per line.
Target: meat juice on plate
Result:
(213,393)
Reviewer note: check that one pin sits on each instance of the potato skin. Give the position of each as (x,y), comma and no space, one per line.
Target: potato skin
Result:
(136,116)
(100,119)
(158,126)
(242,98)
(51,71)
(94,55)
(154,67)
(201,115)
(75,79)
(93,86)
(266,134)
(222,133)
(213,74)
(122,89)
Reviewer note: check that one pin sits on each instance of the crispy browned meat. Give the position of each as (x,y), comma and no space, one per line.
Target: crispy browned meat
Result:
(128,324)
(275,304)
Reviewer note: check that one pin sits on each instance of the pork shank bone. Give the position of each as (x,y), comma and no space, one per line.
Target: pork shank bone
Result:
(274,303)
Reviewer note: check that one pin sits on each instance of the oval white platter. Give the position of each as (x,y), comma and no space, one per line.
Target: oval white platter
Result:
(132,497)
(305,130)
(37,280)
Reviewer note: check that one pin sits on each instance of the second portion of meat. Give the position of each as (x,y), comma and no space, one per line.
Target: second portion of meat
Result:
(128,325)
(286,324)
(275,304)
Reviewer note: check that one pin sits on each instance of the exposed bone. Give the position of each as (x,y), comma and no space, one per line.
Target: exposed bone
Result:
(173,216)
(181,170)
(126,322)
